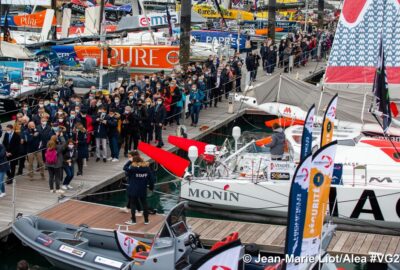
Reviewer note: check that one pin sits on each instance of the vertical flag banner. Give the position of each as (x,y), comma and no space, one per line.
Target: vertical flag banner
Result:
(297,209)
(306,139)
(318,195)
(328,122)
(226,257)
(381,90)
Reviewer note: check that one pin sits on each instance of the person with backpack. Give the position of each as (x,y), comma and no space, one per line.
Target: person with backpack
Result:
(54,161)
(70,155)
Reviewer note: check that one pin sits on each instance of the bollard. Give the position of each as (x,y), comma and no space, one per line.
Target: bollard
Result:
(231,103)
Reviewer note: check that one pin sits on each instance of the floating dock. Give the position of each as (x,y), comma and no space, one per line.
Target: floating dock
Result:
(269,238)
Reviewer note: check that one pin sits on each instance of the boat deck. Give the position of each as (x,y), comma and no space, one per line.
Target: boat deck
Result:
(269,238)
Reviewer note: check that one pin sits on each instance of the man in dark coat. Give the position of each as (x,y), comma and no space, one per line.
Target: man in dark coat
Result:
(12,143)
(158,120)
(250,65)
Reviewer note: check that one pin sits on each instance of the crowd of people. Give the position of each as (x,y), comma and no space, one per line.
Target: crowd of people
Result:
(301,47)
(66,129)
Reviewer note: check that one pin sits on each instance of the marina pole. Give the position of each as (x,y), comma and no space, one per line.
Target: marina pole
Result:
(306,17)
(271,19)
(184,47)
(102,43)
(321,7)
(54,28)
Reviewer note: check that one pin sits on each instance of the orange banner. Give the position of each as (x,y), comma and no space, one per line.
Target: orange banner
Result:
(35,20)
(138,57)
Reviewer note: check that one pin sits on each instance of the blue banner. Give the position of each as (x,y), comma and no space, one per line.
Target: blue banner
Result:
(124,8)
(297,207)
(306,139)
(229,38)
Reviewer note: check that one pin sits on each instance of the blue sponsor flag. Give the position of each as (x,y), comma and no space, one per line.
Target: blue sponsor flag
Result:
(306,139)
(297,208)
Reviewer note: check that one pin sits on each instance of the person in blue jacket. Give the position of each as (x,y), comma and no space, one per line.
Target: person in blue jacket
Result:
(140,176)
(196,98)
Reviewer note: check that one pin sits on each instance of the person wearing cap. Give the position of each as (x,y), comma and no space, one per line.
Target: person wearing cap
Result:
(277,144)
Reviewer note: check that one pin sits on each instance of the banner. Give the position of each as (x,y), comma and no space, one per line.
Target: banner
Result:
(226,257)
(328,122)
(35,20)
(142,58)
(129,246)
(297,208)
(318,195)
(306,138)
(227,38)
(27,2)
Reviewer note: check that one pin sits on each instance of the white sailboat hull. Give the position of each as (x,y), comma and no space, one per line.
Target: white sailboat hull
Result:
(358,205)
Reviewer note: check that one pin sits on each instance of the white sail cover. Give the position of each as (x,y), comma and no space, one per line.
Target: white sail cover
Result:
(354,102)
(14,51)
(226,257)
(355,50)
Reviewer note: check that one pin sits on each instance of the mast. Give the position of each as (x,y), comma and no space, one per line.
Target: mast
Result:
(321,7)
(271,19)
(54,28)
(184,48)
(148,21)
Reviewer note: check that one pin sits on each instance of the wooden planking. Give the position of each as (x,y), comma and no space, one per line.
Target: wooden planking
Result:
(270,238)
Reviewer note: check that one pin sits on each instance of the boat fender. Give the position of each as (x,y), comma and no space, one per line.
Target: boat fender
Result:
(230,238)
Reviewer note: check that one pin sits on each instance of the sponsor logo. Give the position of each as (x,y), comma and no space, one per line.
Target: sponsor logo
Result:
(226,187)
(280,176)
(332,112)
(318,179)
(279,166)
(44,240)
(220,195)
(287,110)
(330,161)
(325,161)
(173,57)
(304,172)
(155,20)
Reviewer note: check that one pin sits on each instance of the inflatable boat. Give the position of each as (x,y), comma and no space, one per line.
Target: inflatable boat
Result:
(174,247)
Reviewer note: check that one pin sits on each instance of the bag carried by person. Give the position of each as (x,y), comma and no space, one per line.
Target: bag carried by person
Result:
(51,156)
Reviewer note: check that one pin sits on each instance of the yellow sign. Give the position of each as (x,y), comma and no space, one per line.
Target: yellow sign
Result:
(230,14)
